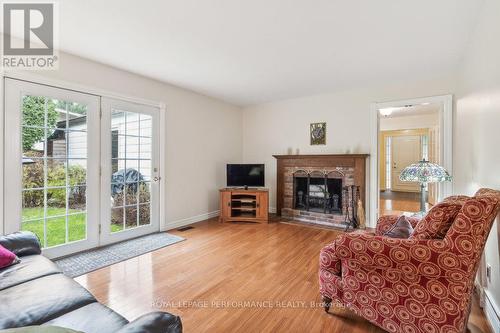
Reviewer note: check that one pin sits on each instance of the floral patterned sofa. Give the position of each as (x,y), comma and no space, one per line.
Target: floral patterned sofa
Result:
(420,284)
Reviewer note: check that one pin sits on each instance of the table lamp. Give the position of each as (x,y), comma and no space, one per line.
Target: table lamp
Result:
(424,172)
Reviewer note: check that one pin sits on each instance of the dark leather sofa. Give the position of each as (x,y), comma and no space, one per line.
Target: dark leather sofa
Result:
(36,292)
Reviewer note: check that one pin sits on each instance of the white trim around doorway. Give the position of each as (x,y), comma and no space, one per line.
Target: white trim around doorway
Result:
(446,141)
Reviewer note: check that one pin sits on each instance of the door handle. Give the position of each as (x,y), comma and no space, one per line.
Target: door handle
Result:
(156,179)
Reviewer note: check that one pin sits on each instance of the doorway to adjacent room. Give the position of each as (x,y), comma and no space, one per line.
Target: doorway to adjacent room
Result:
(407,132)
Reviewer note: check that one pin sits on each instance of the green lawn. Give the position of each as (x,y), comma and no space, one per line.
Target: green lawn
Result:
(56,227)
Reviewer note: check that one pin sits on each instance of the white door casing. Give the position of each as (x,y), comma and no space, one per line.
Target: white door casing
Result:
(434,154)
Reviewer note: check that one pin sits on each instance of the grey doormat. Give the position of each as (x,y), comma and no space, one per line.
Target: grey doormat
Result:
(91,260)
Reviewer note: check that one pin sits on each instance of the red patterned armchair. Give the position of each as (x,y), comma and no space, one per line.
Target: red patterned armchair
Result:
(420,284)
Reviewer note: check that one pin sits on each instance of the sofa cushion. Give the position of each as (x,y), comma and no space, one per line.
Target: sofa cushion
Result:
(438,220)
(21,243)
(38,301)
(401,229)
(30,268)
(84,319)
(154,322)
(7,258)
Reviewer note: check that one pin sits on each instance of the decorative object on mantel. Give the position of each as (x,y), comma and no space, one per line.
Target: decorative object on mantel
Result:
(361,215)
(424,172)
(318,134)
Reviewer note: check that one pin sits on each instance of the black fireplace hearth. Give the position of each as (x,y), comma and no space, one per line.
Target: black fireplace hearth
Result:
(317,192)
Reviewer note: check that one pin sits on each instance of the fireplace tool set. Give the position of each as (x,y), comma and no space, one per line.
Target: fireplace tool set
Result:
(351,195)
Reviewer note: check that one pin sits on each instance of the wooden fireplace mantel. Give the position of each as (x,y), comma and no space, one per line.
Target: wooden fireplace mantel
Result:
(356,161)
(321,156)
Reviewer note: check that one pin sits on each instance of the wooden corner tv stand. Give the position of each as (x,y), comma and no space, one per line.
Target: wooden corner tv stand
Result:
(237,204)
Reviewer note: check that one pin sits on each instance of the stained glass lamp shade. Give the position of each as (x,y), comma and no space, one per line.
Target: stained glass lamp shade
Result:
(424,172)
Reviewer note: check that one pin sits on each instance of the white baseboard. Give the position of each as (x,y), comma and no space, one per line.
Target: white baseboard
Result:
(492,311)
(190,220)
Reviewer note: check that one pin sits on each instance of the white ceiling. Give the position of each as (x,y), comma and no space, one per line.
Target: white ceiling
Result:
(254,51)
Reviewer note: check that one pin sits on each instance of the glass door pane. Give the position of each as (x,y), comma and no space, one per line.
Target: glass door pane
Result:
(54,143)
(131,170)
(51,136)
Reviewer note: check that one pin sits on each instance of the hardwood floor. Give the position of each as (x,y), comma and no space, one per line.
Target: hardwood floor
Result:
(396,203)
(206,278)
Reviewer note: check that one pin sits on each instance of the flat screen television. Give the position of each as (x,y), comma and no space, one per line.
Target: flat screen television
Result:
(245,175)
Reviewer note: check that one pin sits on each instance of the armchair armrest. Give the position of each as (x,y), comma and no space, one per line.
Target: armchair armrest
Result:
(425,257)
(154,322)
(21,243)
(385,222)
(328,259)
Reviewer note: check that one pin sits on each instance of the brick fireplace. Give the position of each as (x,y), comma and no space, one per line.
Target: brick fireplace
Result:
(318,189)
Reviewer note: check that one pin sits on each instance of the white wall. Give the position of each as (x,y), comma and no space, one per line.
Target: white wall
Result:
(203,133)
(477,134)
(409,122)
(275,128)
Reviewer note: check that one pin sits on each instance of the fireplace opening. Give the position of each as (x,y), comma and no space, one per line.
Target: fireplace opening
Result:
(317,192)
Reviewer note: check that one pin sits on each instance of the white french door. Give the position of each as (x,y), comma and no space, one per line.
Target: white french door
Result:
(80,170)
(130,170)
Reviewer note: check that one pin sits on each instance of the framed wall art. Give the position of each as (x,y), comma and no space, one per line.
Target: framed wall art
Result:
(318,134)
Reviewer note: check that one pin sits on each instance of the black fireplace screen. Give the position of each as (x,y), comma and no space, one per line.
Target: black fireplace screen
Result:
(317,194)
